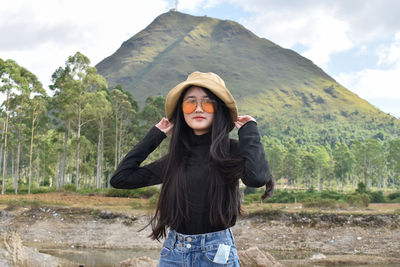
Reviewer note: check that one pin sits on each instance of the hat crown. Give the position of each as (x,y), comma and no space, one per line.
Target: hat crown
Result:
(197,75)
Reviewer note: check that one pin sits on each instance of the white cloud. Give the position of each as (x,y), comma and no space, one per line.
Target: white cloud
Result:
(379,87)
(373,83)
(190,5)
(378,83)
(322,28)
(363,50)
(389,55)
(320,32)
(41,36)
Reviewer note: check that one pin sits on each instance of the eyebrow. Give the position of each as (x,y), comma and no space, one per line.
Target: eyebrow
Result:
(193,97)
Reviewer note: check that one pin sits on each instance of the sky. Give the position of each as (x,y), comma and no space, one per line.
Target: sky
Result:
(357,42)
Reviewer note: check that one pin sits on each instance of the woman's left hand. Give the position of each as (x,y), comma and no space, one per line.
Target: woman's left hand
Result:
(242,120)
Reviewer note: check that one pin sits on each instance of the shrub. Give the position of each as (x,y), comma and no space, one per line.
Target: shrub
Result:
(250,190)
(358,200)
(361,188)
(42,190)
(377,197)
(68,188)
(342,204)
(331,195)
(12,204)
(282,196)
(320,203)
(145,192)
(396,200)
(113,192)
(393,196)
(153,200)
(23,189)
(252,198)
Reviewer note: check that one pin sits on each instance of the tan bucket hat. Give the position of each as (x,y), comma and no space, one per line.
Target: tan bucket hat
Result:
(208,80)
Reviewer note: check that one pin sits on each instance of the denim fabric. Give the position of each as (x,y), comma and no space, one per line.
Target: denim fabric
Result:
(197,250)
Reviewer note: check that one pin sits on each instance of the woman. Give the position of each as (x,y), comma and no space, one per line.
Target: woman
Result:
(199,199)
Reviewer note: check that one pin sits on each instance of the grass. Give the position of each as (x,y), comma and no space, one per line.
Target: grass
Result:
(137,206)
(13,204)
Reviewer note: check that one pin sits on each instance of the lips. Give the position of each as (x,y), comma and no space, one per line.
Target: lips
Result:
(199,118)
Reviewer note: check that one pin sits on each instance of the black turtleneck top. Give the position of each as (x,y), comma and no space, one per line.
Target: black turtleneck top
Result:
(130,175)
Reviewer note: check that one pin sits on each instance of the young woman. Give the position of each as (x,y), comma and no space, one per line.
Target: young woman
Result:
(199,199)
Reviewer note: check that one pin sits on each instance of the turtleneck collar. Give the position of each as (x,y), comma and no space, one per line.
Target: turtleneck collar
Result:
(203,139)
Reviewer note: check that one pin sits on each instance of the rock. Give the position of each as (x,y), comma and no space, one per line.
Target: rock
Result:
(15,254)
(318,256)
(253,257)
(139,262)
(105,214)
(4,213)
(355,260)
(37,259)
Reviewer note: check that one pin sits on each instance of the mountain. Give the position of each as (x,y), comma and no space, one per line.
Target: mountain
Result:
(287,93)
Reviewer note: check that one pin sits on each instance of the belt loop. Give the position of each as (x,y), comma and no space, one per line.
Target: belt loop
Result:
(203,243)
(230,231)
(175,239)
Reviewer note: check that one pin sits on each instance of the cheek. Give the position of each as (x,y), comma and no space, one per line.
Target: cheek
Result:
(211,117)
(186,117)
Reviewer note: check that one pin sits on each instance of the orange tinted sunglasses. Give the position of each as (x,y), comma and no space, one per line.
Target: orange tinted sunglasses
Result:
(189,105)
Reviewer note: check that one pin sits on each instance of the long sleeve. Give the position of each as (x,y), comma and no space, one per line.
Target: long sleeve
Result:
(256,169)
(129,174)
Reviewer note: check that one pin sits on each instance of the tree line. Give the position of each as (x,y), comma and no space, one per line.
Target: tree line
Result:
(79,134)
(373,162)
(76,136)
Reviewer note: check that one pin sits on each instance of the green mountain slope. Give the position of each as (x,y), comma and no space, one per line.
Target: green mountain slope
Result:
(289,95)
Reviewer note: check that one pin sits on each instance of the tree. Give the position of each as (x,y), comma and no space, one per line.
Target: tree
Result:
(275,153)
(367,155)
(36,107)
(77,82)
(308,167)
(33,101)
(322,163)
(124,114)
(394,160)
(291,162)
(19,85)
(7,69)
(343,162)
(100,108)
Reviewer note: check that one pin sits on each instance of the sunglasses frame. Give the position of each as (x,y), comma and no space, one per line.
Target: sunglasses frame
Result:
(202,100)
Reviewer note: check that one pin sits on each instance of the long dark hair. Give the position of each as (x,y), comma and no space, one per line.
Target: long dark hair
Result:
(225,171)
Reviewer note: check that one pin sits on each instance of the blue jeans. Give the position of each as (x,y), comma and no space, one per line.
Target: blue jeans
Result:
(210,249)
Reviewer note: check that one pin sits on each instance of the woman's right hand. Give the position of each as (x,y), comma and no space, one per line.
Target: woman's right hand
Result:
(165,126)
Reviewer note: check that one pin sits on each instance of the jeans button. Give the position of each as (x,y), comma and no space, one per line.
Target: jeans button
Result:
(180,238)
(188,246)
(189,239)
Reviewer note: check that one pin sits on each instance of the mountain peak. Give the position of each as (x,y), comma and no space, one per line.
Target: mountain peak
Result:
(265,79)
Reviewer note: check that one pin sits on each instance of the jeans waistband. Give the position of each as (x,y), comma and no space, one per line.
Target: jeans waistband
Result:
(195,242)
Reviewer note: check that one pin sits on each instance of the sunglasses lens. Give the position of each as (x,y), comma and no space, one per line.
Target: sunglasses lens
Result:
(189,106)
(207,106)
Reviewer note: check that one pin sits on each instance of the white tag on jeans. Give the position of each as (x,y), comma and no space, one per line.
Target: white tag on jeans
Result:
(222,254)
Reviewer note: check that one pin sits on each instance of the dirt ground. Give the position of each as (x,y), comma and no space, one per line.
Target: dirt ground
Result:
(293,235)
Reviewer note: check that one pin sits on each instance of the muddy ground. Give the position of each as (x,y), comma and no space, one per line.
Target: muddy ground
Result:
(291,234)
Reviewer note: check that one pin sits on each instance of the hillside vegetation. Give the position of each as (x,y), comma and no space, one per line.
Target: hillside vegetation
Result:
(287,93)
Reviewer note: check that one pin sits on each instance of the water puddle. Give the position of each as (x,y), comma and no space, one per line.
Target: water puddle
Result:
(112,257)
(98,257)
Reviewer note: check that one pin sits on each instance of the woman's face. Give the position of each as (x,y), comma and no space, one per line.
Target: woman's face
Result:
(199,120)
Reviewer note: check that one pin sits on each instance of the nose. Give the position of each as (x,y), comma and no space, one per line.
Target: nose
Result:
(198,107)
